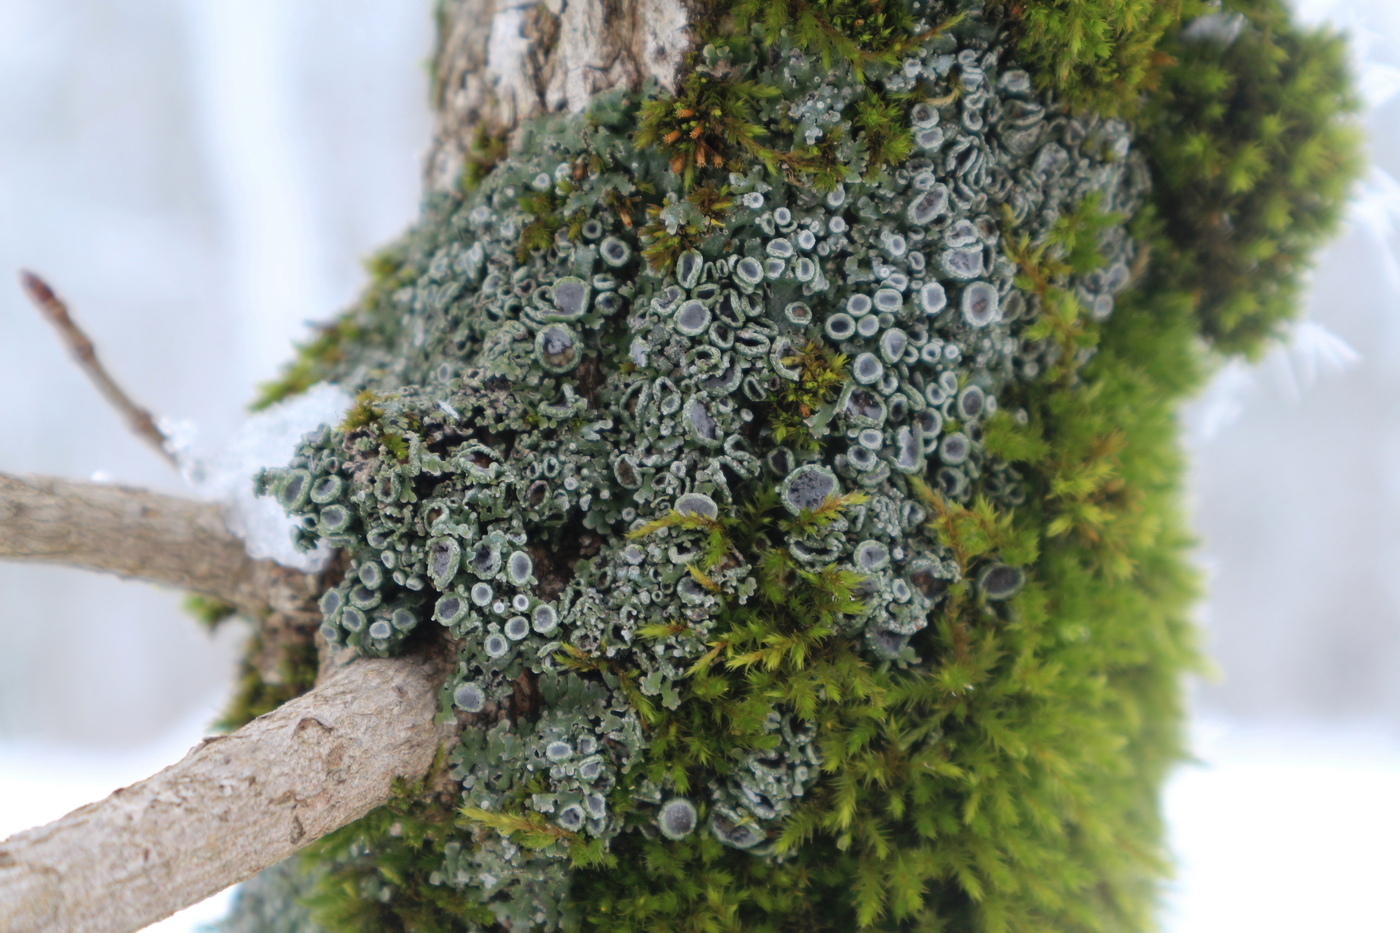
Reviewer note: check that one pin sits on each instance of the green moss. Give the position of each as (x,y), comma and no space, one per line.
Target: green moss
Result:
(708,125)
(860,32)
(546,219)
(1253,155)
(364,413)
(486,150)
(778,647)
(395,444)
(1005,822)
(822,372)
(1248,137)
(254,695)
(884,130)
(209,611)
(395,848)
(1099,55)
(337,339)
(702,215)
(311,361)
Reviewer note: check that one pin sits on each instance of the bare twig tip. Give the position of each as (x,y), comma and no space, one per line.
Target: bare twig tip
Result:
(53,308)
(37,289)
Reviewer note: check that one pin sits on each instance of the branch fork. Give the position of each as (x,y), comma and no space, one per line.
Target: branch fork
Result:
(236,803)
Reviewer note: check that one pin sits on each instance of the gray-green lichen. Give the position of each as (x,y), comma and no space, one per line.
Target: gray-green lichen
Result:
(793,467)
(529,411)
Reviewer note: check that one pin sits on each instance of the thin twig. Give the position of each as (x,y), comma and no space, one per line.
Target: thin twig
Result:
(137,418)
(143,535)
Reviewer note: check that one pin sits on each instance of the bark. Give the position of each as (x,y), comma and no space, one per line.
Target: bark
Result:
(499,62)
(235,805)
(143,535)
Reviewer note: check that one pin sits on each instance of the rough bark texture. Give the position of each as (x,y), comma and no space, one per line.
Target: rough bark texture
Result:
(143,535)
(235,805)
(499,62)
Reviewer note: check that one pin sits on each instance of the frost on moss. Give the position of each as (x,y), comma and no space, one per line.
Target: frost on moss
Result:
(795,482)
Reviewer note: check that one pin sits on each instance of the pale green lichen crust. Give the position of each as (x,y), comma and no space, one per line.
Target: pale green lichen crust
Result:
(790,466)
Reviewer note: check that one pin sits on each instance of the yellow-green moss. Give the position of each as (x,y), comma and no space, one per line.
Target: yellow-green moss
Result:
(208,611)
(253,695)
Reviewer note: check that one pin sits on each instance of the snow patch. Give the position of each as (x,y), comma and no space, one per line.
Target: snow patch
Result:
(224,471)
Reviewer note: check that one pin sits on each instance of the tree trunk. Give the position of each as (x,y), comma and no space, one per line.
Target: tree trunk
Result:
(786,452)
(499,63)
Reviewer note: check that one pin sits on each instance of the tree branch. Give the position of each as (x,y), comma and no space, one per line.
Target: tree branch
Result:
(233,806)
(143,536)
(78,343)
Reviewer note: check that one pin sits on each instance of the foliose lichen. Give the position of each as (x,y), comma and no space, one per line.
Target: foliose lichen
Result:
(788,464)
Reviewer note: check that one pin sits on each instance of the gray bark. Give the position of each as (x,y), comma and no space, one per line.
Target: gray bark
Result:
(235,805)
(141,535)
(499,62)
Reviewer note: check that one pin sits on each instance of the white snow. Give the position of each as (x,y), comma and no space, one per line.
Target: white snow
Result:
(223,469)
(1287,827)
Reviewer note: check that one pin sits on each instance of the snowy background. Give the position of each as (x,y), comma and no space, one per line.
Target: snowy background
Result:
(199,178)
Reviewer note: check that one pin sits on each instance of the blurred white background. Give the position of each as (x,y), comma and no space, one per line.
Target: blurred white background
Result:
(199,178)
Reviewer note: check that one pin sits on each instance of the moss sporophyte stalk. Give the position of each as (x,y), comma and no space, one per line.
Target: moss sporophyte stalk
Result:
(790,464)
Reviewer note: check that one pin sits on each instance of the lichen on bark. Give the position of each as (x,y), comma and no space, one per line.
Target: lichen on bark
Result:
(788,457)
